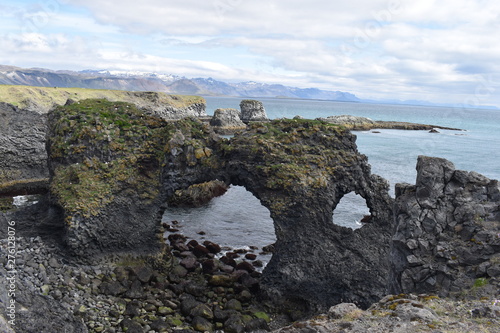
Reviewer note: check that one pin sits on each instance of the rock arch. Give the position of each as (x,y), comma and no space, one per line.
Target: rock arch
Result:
(315,261)
(298,169)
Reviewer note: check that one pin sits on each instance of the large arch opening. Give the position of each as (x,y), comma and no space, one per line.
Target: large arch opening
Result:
(352,211)
(235,220)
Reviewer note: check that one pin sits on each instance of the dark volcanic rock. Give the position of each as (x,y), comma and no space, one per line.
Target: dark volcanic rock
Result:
(22,144)
(299,169)
(447,238)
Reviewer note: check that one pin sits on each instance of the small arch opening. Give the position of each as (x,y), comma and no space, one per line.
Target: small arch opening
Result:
(235,220)
(352,211)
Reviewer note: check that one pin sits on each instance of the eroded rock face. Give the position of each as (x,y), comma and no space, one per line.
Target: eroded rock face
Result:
(111,186)
(252,110)
(448,232)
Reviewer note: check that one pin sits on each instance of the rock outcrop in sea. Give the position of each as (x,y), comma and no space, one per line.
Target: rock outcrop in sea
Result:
(252,110)
(355,123)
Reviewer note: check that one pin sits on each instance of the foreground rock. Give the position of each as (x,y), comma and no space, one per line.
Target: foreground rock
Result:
(447,240)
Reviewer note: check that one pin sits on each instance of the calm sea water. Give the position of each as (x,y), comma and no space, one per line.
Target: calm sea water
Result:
(237,219)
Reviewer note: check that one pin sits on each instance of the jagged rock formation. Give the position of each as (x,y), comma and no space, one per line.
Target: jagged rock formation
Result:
(227,121)
(112,167)
(364,124)
(447,239)
(22,145)
(252,110)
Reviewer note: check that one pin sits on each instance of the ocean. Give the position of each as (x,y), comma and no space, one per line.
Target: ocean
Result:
(238,220)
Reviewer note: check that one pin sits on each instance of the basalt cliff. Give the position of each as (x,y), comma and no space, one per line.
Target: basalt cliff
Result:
(114,167)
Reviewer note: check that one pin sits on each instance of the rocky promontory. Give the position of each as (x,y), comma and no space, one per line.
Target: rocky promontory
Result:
(364,124)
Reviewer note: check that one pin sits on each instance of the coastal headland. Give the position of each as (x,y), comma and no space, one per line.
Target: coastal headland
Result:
(90,255)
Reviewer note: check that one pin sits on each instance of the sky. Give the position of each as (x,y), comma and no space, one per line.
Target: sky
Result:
(439,51)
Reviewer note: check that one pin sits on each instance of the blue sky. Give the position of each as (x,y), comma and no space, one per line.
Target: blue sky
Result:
(440,51)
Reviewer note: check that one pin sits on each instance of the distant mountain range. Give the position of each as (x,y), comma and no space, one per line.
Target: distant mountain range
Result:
(141,81)
(172,84)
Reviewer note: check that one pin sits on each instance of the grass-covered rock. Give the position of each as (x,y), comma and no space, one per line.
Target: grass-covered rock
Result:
(106,161)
